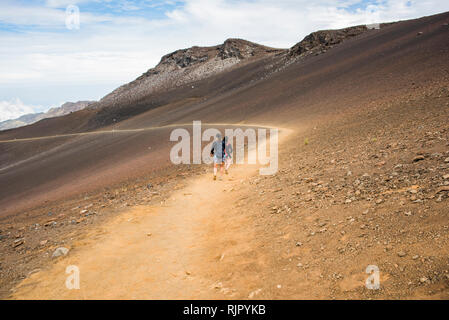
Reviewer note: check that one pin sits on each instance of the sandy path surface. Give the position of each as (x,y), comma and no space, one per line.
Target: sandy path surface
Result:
(171,251)
(190,246)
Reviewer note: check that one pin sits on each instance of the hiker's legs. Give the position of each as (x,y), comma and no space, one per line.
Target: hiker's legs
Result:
(228,163)
(215,169)
(218,161)
(226,166)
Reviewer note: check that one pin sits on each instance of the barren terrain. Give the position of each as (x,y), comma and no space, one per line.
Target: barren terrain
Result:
(363,180)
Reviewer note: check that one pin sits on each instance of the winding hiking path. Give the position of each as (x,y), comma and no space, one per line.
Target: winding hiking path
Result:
(113,131)
(177,250)
(198,244)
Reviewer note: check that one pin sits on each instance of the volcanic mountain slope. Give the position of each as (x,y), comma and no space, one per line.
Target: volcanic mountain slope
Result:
(368,150)
(348,77)
(179,70)
(200,77)
(189,65)
(186,66)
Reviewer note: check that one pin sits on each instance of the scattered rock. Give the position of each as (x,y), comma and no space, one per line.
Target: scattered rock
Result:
(402,254)
(418,158)
(33,271)
(49,223)
(254,293)
(322,224)
(17,243)
(442,189)
(80,220)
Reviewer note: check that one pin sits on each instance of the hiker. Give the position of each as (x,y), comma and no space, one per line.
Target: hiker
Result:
(217,152)
(227,154)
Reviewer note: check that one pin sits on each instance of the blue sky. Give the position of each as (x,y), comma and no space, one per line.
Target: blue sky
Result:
(44,64)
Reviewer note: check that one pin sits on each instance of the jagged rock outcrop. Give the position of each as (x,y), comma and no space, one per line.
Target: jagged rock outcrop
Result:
(325,39)
(321,41)
(185,66)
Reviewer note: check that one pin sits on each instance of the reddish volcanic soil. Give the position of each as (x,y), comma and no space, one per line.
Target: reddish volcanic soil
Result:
(363,180)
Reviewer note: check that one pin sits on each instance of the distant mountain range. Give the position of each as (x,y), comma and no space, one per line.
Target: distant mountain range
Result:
(31,118)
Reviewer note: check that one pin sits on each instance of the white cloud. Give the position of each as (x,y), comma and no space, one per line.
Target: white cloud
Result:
(15,108)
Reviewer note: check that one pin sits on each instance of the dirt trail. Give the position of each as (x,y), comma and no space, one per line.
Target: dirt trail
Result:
(166,252)
(183,248)
(118,131)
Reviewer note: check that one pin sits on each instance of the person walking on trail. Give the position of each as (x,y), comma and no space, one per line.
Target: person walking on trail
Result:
(227,154)
(217,152)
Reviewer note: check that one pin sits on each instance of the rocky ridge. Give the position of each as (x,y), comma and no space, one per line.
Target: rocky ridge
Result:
(186,66)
